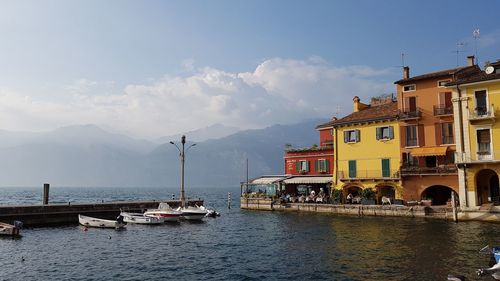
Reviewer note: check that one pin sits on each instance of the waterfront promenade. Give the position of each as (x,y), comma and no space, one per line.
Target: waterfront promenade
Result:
(489,214)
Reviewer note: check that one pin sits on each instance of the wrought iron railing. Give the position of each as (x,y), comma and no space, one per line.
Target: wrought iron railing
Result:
(479,113)
(410,114)
(443,110)
(417,170)
(480,156)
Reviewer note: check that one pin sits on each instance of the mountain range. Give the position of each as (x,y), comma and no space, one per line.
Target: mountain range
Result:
(87,155)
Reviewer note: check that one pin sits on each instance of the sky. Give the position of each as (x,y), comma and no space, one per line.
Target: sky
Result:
(155,68)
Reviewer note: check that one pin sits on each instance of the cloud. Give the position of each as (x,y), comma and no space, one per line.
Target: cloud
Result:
(276,91)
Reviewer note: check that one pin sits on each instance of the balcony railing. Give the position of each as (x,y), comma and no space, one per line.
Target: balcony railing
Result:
(481,156)
(482,113)
(440,110)
(410,114)
(418,171)
(369,174)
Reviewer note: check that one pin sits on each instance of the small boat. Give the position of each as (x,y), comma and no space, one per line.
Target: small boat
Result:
(101,223)
(494,264)
(165,211)
(9,229)
(141,218)
(193,212)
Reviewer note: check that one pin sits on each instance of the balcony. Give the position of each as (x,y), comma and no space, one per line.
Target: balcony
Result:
(369,174)
(443,110)
(410,114)
(478,157)
(482,114)
(449,169)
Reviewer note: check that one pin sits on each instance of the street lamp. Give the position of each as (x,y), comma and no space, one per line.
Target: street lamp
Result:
(182,155)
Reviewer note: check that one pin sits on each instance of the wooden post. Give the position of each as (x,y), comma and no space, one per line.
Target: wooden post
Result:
(46,187)
(454,206)
(229,200)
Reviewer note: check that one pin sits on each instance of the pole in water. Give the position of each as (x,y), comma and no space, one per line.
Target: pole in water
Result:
(46,187)
(229,200)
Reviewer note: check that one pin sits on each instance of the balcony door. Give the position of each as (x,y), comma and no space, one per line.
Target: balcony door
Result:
(481,103)
(410,104)
(483,144)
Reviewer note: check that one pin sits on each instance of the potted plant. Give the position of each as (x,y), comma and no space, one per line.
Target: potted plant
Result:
(368,196)
(337,196)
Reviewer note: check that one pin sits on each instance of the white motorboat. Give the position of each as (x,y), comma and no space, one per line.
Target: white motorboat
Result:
(101,223)
(193,212)
(141,218)
(165,211)
(9,229)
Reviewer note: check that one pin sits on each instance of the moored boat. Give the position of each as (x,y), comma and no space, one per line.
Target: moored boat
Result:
(193,212)
(101,223)
(165,211)
(141,218)
(9,229)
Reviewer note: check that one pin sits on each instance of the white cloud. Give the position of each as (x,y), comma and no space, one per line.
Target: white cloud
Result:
(277,91)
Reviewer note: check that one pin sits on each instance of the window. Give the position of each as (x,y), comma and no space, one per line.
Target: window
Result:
(481,103)
(447,133)
(385,133)
(302,166)
(442,83)
(411,135)
(352,168)
(483,142)
(322,165)
(351,136)
(409,88)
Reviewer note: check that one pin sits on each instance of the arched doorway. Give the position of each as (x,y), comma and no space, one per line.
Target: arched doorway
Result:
(487,187)
(354,190)
(439,194)
(387,191)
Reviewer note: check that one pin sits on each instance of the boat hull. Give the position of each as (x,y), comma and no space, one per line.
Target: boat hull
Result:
(8,230)
(141,218)
(193,213)
(167,215)
(99,223)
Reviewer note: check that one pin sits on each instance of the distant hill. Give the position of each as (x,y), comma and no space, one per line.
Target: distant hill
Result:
(215,131)
(89,156)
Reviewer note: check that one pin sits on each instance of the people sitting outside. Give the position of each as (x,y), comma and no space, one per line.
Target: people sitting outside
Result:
(287,197)
(349,198)
(283,198)
(302,198)
(293,198)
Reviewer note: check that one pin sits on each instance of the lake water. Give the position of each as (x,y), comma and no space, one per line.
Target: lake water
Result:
(241,245)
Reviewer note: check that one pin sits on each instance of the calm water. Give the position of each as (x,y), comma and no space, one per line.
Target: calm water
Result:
(242,245)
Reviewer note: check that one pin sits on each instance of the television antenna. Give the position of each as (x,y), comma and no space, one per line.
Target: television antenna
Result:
(476,34)
(458,51)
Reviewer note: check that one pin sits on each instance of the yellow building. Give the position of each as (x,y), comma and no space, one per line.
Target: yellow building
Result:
(367,150)
(476,98)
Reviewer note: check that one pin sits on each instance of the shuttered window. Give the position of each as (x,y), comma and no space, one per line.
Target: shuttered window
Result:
(385,133)
(352,136)
(352,168)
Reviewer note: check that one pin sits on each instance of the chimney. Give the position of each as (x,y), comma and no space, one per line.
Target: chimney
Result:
(356,103)
(470,61)
(406,72)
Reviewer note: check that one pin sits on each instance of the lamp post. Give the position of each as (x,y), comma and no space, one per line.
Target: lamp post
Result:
(182,155)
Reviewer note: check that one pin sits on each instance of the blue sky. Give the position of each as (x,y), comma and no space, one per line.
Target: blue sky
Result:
(139,66)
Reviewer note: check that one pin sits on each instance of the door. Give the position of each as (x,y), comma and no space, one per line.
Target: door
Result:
(352,168)
(481,107)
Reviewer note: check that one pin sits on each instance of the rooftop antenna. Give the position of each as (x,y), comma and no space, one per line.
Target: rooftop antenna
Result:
(476,35)
(402,59)
(458,51)
(337,112)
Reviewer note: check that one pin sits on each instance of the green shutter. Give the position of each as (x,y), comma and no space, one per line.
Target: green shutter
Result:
(378,133)
(297,166)
(316,165)
(307,165)
(327,163)
(358,136)
(352,168)
(391,132)
(386,169)
(346,137)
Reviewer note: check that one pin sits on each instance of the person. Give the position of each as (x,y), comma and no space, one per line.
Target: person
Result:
(349,198)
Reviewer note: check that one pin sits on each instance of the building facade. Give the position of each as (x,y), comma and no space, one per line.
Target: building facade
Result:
(476,99)
(428,141)
(367,149)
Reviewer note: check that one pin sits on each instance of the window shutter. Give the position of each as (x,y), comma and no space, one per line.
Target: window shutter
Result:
(297,166)
(439,135)
(391,132)
(358,137)
(346,136)
(406,105)
(378,133)
(402,135)
(307,165)
(316,165)
(327,164)
(421,136)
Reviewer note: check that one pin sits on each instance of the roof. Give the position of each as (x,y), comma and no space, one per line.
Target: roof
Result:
(477,76)
(441,73)
(382,112)
(266,180)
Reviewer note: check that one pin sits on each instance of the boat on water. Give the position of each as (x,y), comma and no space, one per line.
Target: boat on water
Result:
(141,218)
(193,212)
(101,223)
(9,229)
(165,211)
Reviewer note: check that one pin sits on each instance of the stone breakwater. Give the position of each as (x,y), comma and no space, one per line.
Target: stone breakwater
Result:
(491,214)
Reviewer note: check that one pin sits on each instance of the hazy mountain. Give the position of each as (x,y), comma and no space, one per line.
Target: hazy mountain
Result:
(89,156)
(215,131)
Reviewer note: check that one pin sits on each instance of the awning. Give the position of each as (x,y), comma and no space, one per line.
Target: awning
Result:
(265,180)
(429,151)
(308,180)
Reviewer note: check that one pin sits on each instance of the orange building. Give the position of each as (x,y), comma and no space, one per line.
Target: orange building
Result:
(427,135)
